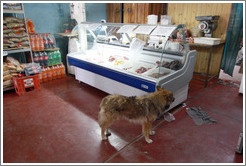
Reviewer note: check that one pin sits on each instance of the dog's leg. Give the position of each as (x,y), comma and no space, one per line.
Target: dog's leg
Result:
(108,133)
(151,132)
(146,131)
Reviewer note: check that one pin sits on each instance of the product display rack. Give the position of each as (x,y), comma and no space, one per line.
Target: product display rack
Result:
(22,50)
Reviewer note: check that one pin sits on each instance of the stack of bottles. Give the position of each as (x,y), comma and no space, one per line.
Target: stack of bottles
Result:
(52,73)
(48,58)
(44,41)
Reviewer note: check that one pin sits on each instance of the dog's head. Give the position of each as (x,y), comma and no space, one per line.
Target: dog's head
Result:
(167,96)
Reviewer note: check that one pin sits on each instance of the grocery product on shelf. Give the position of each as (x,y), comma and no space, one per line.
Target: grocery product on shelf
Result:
(44,75)
(42,41)
(36,57)
(45,59)
(12,6)
(50,59)
(32,69)
(30,26)
(14,33)
(41,58)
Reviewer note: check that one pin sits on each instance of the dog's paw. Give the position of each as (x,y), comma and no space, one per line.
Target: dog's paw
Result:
(149,141)
(108,133)
(104,138)
(152,132)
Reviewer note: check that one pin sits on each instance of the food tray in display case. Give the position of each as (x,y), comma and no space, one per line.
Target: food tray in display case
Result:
(124,59)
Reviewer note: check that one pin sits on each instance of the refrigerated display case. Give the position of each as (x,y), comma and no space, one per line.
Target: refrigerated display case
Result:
(132,59)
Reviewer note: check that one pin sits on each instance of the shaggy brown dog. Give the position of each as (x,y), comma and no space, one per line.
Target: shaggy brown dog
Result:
(143,110)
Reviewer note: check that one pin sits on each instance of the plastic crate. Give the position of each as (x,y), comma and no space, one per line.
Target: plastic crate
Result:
(22,83)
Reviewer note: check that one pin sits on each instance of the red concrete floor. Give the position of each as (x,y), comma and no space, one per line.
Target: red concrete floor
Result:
(59,125)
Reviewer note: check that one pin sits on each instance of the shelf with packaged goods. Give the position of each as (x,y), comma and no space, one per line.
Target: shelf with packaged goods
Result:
(23,49)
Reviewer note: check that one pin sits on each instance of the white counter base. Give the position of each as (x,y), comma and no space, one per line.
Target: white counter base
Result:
(114,87)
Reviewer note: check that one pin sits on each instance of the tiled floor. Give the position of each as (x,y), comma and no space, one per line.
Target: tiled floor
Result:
(59,125)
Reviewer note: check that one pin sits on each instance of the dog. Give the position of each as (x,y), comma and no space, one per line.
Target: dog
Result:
(143,110)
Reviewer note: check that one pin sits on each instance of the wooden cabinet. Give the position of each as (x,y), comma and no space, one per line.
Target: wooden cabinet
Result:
(134,12)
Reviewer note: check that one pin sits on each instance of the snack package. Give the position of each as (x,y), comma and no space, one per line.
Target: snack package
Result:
(7,77)
(13,61)
(17,34)
(14,25)
(18,29)
(10,19)
(7,31)
(8,83)
(6,72)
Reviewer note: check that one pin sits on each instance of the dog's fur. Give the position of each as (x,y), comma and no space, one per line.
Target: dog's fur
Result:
(143,110)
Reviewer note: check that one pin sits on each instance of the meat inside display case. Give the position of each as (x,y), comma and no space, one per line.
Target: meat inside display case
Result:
(132,59)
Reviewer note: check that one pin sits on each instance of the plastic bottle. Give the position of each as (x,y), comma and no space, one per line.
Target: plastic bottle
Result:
(40,76)
(49,74)
(41,58)
(36,43)
(50,60)
(30,26)
(36,57)
(46,42)
(51,41)
(63,73)
(58,54)
(45,59)
(54,74)
(54,55)
(41,42)
(32,42)
(59,71)
(44,71)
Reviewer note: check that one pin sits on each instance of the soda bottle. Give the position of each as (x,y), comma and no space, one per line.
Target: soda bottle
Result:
(44,78)
(36,43)
(54,55)
(58,56)
(50,60)
(40,76)
(63,73)
(59,71)
(51,40)
(41,58)
(36,57)
(32,42)
(49,74)
(46,59)
(30,26)
(41,42)
(54,74)
(46,42)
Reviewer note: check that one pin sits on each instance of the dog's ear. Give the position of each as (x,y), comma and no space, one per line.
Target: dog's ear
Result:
(159,88)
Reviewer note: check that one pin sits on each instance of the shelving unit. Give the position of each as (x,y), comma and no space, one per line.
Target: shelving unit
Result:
(6,52)
(19,50)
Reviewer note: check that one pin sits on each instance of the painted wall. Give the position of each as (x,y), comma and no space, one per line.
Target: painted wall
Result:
(95,12)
